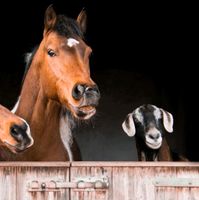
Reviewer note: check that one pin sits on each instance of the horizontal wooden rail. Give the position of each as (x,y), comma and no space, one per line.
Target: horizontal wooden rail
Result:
(101,163)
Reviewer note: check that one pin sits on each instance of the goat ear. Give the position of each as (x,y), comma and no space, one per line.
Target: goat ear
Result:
(128,125)
(167,121)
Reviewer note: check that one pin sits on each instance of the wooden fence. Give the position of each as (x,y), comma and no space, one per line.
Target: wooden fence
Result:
(99,181)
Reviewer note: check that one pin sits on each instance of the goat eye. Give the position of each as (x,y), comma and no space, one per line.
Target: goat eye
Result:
(51,53)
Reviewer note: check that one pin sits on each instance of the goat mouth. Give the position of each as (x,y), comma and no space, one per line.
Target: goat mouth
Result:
(153,145)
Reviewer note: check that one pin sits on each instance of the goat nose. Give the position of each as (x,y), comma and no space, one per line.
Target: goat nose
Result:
(154,136)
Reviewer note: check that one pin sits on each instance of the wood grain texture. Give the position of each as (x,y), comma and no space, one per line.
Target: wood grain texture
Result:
(127,180)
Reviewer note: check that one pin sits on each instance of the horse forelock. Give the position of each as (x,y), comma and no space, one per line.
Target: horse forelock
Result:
(67,27)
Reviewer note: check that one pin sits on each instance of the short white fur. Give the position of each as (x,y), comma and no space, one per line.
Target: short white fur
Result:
(72,42)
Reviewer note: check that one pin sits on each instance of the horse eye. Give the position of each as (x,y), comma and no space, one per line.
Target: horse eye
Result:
(51,53)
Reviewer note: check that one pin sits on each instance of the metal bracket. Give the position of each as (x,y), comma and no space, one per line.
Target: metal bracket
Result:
(79,183)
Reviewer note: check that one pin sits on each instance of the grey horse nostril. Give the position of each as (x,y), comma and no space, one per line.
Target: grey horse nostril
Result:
(93,89)
(16,132)
(90,91)
(78,91)
(24,127)
(20,135)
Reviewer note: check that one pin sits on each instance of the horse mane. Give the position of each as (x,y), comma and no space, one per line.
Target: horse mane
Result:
(67,27)
(28,60)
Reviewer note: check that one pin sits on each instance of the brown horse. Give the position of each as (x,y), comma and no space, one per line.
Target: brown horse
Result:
(14,132)
(57,89)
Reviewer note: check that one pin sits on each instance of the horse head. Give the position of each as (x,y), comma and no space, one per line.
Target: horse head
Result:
(63,57)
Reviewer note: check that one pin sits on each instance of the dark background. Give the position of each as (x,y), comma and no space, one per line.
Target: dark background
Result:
(142,53)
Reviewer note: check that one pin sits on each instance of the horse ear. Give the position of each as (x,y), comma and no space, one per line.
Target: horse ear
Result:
(82,20)
(49,18)
(167,120)
(128,125)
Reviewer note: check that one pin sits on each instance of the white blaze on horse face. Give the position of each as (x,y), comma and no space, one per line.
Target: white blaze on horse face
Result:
(72,42)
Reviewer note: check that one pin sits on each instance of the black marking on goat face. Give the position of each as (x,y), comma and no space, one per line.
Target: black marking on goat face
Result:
(148,123)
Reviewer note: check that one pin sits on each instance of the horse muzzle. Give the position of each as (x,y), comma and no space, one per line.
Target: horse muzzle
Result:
(89,93)
(88,97)
(21,135)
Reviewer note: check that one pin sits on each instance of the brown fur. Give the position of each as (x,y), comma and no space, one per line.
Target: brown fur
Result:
(165,153)
(7,121)
(47,90)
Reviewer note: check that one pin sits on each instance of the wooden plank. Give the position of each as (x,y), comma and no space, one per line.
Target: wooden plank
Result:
(169,194)
(127,180)
(35,164)
(191,192)
(7,183)
(104,163)
(90,193)
(164,193)
(176,182)
(25,175)
(194,193)
(135,182)
(135,164)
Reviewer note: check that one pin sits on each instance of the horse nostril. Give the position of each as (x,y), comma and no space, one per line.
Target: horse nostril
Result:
(95,89)
(90,91)
(24,127)
(15,131)
(78,91)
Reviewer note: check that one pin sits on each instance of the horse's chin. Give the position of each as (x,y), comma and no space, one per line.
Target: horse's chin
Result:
(12,148)
(84,112)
